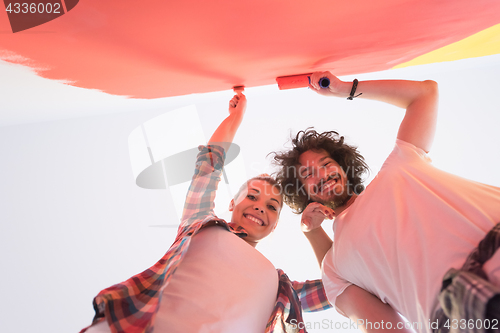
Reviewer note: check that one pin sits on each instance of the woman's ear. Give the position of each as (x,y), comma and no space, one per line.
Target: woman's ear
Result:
(275,225)
(231,205)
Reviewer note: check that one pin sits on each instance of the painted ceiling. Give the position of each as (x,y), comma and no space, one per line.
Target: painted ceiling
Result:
(157,48)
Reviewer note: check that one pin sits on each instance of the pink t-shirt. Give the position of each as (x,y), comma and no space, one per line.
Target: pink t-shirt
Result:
(411,224)
(222,285)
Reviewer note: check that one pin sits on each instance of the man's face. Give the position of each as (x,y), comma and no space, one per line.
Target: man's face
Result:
(323,178)
(257,209)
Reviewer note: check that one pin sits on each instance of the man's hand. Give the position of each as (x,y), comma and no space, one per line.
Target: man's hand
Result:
(314,214)
(312,217)
(418,98)
(336,88)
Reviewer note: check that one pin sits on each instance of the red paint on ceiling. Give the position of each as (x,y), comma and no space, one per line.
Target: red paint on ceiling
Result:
(158,48)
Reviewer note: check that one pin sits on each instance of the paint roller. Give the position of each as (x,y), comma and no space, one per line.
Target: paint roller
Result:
(299,81)
(238,89)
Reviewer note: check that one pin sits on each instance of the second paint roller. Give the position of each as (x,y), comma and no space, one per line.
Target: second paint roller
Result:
(299,81)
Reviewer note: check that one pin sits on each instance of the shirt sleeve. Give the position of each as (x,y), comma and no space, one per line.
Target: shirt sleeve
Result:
(333,283)
(201,193)
(409,151)
(312,295)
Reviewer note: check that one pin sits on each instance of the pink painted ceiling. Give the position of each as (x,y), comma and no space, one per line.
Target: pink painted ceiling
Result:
(161,48)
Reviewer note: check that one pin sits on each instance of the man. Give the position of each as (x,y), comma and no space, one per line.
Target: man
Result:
(394,241)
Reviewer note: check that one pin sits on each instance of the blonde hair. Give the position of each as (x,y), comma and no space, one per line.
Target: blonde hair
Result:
(264,177)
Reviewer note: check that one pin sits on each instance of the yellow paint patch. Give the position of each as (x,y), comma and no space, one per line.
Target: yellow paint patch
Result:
(484,43)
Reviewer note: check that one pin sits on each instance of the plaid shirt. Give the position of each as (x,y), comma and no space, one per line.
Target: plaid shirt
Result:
(467,298)
(131,306)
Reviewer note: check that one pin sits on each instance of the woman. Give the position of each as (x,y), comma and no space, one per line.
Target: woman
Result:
(212,279)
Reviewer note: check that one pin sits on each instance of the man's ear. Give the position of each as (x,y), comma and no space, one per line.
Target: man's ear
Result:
(231,205)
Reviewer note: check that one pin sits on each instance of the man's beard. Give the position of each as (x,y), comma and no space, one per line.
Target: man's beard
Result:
(337,200)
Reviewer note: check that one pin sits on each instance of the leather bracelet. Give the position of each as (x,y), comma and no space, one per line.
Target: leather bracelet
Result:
(353,90)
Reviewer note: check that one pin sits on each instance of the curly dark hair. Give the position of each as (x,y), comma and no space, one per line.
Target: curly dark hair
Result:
(348,157)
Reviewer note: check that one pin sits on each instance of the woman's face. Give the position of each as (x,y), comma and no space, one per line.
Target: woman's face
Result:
(257,210)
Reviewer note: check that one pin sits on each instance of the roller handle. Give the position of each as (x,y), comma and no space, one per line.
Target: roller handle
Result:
(238,89)
(324,82)
(300,81)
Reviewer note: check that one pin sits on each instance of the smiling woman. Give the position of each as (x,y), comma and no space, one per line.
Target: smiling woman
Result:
(210,269)
(256,207)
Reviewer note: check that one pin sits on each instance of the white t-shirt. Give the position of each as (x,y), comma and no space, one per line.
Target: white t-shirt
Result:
(222,285)
(411,224)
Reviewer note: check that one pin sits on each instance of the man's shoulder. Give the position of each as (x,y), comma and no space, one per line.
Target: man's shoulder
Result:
(404,153)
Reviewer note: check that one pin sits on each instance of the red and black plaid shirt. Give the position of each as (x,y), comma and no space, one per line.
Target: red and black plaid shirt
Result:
(131,306)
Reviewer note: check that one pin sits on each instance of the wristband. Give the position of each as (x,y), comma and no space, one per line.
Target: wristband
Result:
(353,90)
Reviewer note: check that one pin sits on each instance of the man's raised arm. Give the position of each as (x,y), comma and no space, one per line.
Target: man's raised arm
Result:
(419,98)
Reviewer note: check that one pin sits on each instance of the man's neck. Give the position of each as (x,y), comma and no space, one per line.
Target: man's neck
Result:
(349,202)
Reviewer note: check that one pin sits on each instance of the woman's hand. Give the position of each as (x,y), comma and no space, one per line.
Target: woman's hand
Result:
(336,88)
(224,134)
(314,214)
(238,104)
